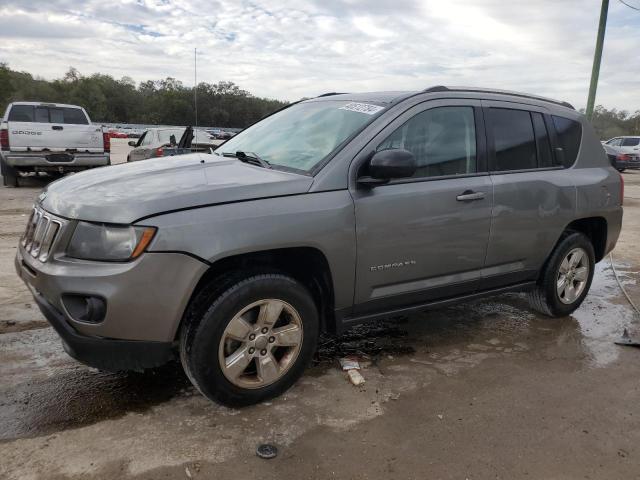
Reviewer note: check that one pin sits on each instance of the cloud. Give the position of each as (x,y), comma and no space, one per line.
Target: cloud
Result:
(289,49)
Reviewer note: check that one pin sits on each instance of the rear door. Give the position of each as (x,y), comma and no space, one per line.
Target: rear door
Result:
(534,195)
(425,237)
(46,127)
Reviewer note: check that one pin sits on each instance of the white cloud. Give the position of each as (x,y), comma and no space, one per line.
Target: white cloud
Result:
(289,49)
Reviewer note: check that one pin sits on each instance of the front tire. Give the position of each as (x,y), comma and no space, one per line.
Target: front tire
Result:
(252,341)
(566,278)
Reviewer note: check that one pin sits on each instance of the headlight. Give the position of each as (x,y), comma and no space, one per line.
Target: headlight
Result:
(108,243)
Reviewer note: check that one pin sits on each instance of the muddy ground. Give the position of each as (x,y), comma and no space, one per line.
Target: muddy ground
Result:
(480,390)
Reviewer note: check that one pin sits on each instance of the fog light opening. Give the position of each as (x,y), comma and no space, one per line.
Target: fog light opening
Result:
(85,308)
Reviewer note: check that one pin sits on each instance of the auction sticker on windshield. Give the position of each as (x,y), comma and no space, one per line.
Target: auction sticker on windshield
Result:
(362,108)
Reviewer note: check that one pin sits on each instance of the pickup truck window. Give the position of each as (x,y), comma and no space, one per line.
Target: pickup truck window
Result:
(31,113)
(21,113)
(67,115)
(301,136)
(442,139)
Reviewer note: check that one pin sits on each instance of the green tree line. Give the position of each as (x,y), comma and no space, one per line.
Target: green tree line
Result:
(169,102)
(159,102)
(614,123)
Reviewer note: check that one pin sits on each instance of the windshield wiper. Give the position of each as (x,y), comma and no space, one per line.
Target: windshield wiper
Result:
(248,157)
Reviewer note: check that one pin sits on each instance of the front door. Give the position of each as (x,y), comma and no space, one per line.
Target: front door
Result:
(425,237)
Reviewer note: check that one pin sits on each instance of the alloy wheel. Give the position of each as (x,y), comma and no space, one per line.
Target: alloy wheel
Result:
(572,276)
(260,343)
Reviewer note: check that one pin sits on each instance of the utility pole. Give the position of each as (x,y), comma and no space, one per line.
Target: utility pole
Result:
(195,83)
(597,57)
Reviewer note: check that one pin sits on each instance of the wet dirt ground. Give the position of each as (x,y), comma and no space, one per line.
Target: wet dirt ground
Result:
(486,389)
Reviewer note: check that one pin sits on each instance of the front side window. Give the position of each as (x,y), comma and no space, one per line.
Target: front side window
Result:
(630,142)
(569,135)
(302,136)
(147,138)
(442,139)
(515,147)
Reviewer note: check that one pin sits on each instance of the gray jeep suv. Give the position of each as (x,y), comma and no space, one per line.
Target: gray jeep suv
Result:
(333,211)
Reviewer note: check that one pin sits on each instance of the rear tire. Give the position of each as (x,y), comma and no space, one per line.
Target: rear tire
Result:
(566,278)
(250,339)
(9,174)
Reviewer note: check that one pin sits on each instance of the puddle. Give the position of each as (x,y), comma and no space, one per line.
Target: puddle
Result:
(80,396)
(370,341)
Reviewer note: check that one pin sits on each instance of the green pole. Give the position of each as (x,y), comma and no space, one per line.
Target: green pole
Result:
(595,72)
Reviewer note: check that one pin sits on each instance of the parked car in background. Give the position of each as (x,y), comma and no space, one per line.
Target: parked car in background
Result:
(626,144)
(332,212)
(220,134)
(163,142)
(622,160)
(117,134)
(49,137)
(152,143)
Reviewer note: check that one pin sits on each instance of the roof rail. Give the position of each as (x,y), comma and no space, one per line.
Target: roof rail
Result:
(441,88)
(330,94)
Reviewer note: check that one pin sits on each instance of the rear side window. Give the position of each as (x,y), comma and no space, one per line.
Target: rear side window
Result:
(569,135)
(21,113)
(515,146)
(630,142)
(545,157)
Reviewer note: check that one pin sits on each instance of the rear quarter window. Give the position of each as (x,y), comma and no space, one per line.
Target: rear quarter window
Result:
(569,136)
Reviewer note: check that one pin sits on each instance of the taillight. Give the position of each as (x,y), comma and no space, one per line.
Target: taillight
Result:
(4,139)
(106,142)
(159,152)
(621,189)
(623,157)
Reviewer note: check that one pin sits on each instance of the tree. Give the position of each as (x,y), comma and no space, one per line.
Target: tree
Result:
(166,101)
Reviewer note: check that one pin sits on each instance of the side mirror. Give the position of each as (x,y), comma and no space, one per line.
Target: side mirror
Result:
(132,143)
(388,164)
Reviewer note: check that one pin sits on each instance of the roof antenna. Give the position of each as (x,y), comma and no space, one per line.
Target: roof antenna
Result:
(195,84)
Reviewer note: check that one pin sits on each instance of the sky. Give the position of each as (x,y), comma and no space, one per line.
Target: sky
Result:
(289,49)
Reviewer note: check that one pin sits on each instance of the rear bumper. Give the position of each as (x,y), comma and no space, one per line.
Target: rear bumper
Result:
(632,165)
(39,159)
(105,354)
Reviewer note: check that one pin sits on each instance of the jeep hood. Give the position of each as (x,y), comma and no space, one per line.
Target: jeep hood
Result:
(125,193)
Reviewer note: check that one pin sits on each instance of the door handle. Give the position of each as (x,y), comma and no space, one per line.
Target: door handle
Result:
(469,196)
(57,127)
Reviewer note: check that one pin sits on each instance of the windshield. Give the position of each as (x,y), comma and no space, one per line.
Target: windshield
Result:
(301,136)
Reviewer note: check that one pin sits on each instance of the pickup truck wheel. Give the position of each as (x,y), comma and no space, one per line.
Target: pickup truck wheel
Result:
(252,342)
(566,278)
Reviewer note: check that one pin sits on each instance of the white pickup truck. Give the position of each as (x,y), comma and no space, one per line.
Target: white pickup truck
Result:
(49,137)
